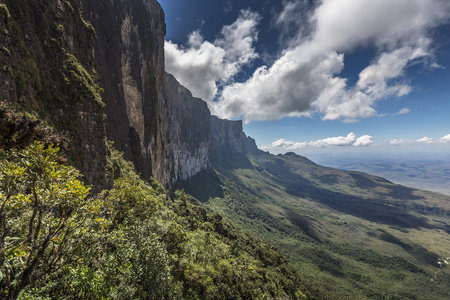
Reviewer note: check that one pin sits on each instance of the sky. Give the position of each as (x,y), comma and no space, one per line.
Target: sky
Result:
(320,78)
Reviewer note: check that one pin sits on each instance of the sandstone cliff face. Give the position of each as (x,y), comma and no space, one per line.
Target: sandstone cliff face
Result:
(155,121)
(52,60)
(227,138)
(250,146)
(46,64)
(129,56)
(189,127)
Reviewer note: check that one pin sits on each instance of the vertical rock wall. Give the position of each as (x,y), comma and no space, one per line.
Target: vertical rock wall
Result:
(129,55)
(46,69)
(155,121)
(189,126)
(52,60)
(227,138)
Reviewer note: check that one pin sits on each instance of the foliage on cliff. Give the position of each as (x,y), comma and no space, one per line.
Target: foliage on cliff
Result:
(129,242)
(46,69)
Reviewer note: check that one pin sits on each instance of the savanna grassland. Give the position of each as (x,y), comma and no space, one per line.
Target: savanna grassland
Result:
(350,235)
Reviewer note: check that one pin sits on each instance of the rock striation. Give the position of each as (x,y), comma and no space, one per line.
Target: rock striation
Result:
(227,138)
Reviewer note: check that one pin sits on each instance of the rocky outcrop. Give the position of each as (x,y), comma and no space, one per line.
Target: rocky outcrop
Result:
(250,146)
(189,127)
(227,138)
(46,63)
(129,56)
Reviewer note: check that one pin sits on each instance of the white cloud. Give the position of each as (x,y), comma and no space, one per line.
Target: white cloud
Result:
(293,21)
(397,142)
(306,78)
(344,24)
(201,66)
(335,141)
(426,140)
(364,140)
(282,143)
(403,111)
(445,139)
(338,141)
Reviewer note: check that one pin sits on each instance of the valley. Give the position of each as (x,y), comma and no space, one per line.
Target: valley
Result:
(349,234)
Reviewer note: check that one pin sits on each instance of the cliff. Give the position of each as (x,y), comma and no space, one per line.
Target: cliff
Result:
(197,137)
(46,70)
(227,138)
(189,127)
(129,57)
(55,55)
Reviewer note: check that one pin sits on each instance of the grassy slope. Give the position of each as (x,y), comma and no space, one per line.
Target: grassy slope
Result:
(351,235)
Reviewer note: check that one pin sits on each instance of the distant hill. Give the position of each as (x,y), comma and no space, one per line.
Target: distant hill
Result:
(350,235)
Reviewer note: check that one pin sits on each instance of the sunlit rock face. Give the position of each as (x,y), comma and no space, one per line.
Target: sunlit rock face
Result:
(189,126)
(154,120)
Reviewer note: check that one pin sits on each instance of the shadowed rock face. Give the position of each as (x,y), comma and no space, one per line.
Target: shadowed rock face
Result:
(47,63)
(227,137)
(129,57)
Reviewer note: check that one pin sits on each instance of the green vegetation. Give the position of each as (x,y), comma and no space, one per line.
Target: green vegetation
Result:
(344,235)
(348,234)
(42,210)
(80,81)
(46,57)
(129,242)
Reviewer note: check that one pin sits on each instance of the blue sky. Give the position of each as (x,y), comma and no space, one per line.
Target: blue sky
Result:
(319,77)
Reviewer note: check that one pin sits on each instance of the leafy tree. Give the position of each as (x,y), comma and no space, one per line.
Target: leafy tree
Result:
(129,242)
(43,207)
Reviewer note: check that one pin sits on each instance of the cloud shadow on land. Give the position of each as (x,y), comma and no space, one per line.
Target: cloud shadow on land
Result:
(301,187)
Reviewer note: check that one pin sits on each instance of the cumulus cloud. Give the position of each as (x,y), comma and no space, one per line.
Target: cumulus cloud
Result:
(445,139)
(335,141)
(338,141)
(202,66)
(364,140)
(305,78)
(426,140)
